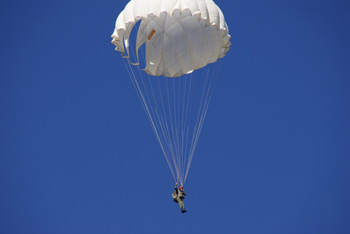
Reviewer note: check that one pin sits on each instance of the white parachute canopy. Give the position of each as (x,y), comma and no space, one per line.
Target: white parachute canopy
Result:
(175,39)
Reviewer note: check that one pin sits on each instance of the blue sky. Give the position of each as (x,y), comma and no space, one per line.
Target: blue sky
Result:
(77,154)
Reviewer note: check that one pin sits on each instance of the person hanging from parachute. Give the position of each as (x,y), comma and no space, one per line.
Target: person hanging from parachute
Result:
(178,197)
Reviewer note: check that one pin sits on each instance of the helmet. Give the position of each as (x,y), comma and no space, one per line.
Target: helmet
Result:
(181,188)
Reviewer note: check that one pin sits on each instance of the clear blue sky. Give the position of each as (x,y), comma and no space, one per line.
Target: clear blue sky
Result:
(77,154)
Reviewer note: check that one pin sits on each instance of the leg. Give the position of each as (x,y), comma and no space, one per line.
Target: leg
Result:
(182,206)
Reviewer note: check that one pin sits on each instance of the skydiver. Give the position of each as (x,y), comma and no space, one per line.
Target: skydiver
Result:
(178,197)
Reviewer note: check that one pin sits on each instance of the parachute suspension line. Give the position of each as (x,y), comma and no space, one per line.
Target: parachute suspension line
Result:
(184,128)
(172,135)
(167,129)
(165,138)
(185,91)
(147,110)
(184,132)
(177,123)
(162,125)
(176,126)
(197,126)
(188,115)
(173,155)
(180,155)
(204,108)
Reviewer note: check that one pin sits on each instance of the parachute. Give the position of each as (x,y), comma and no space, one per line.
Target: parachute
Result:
(173,61)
